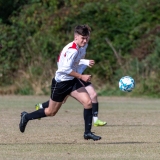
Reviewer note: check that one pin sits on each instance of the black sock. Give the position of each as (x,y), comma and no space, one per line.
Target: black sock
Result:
(88,120)
(36,114)
(45,104)
(95,109)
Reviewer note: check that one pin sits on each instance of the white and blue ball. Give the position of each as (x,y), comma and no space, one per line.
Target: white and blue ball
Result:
(126,84)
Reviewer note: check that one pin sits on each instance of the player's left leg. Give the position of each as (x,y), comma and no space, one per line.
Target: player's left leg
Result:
(95,105)
(83,97)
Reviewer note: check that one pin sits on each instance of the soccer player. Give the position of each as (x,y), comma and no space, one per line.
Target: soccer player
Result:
(88,86)
(66,82)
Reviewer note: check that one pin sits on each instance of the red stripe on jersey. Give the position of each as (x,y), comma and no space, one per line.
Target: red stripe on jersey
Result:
(74,46)
(58,57)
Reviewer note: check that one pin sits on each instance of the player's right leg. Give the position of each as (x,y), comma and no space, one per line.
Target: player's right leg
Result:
(54,105)
(41,106)
(50,111)
(95,105)
(46,104)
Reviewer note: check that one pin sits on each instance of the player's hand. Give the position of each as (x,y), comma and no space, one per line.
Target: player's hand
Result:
(86,78)
(91,63)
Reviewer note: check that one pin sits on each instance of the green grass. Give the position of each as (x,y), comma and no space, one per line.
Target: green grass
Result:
(132,132)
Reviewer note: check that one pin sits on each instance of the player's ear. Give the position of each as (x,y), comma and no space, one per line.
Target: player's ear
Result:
(76,36)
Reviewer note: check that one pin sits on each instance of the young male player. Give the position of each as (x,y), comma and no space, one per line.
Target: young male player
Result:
(88,86)
(66,82)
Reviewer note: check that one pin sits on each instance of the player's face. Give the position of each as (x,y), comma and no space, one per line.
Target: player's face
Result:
(81,40)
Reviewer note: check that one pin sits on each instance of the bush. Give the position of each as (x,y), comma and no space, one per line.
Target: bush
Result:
(35,31)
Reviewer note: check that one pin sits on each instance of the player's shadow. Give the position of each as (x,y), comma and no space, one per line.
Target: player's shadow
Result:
(75,143)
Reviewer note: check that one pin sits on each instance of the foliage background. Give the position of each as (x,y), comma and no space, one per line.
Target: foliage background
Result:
(125,40)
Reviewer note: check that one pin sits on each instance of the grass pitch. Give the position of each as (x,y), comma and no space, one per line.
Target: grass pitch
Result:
(132,132)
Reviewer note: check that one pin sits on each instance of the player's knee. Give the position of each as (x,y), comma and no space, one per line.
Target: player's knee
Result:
(93,95)
(51,113)
(88,104)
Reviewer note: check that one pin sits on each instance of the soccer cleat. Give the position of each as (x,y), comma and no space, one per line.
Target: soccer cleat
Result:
(23,122)
(99,123)
(91,136)
(37,107)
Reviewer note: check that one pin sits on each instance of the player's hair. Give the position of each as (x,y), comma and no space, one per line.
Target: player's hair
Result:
(83,30)
(89,28)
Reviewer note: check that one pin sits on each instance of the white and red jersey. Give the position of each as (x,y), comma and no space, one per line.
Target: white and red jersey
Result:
(71,59)
(68,61)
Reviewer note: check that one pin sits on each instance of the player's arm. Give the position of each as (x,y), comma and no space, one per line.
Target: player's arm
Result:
(87,62)
(84,77)
(66,67)
(83,64)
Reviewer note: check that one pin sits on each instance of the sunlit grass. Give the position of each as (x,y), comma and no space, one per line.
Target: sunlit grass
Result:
(132,131)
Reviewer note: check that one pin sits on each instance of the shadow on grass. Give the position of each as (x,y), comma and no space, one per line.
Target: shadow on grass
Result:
(74,143)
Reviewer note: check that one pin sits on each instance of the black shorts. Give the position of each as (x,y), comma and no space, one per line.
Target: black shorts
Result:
(85,83)
(59,90)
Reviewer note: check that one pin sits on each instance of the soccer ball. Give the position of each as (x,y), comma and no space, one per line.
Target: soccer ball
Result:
(126,84)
